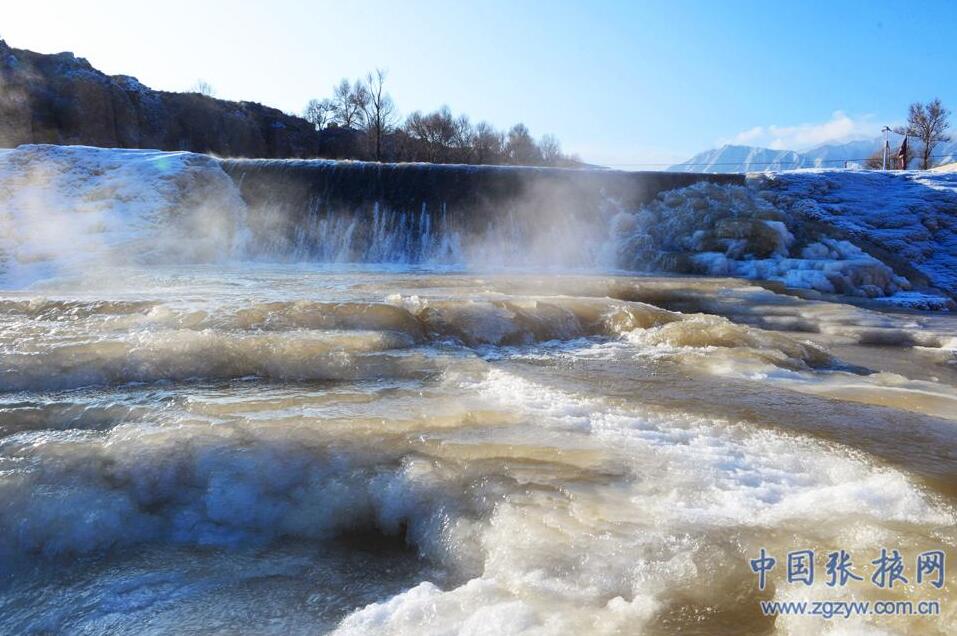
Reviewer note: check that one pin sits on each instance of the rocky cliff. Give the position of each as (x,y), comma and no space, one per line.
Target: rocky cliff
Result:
(62,99)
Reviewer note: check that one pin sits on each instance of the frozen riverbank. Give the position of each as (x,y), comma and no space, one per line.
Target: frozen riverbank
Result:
(869,235)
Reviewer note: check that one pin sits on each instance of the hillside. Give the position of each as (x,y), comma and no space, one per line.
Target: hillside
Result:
(62,99)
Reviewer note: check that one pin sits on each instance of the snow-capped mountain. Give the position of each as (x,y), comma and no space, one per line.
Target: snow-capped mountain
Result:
(853,152)
(729,158)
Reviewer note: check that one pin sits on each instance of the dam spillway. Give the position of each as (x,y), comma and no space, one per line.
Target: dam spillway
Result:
(68,209)
(412,213)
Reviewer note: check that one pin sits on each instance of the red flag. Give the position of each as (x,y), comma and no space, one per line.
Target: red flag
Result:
(902,154)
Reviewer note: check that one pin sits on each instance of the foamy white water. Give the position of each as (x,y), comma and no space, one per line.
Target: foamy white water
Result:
(236,446)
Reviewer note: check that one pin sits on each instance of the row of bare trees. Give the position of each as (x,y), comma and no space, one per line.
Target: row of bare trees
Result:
(927,126)
(366,113)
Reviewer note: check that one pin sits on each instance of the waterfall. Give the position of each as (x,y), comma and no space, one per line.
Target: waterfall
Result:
(65,209)
(346,211)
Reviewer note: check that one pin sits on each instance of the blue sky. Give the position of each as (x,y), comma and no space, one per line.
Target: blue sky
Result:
(620,83)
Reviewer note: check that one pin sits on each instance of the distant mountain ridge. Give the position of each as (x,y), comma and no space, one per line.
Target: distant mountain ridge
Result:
(734,158)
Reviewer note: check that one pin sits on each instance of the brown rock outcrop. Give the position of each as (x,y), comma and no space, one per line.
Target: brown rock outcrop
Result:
(62,99)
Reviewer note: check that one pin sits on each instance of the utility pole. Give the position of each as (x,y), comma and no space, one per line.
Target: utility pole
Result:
(885,130)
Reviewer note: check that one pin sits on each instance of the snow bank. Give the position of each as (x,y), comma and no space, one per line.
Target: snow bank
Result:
(857,233)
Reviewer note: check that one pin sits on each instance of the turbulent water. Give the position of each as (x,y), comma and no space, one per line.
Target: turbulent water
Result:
(251,446)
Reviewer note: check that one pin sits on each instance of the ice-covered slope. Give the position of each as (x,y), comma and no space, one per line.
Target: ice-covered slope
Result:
(908,219)
(859,233)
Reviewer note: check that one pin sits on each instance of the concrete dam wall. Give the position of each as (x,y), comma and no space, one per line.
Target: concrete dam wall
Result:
(412,213)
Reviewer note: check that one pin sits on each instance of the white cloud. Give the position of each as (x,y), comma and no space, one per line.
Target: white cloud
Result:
(749,136)
(838,129)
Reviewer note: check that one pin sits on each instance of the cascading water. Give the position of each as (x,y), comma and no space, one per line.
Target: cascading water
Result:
(63,207)
(248,397)
(439,214)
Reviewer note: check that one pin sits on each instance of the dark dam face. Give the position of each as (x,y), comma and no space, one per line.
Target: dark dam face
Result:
(355,211)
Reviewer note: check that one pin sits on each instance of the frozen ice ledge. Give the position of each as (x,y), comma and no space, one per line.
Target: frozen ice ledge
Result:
(886,237)
(444,214)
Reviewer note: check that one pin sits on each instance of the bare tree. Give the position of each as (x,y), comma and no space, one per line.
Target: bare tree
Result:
(488,144)
(463,139)
(203,88)
(927,123)
(319,112)
(434,134)
(379,110)
(520,147)
(360,101)
(414,129)
(436,137)
(349,102)
(417,130)
(551,150)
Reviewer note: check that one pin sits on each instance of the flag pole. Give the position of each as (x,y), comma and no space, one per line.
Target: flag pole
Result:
(885,130)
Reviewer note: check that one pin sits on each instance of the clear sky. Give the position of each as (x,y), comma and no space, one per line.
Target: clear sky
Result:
(620,83)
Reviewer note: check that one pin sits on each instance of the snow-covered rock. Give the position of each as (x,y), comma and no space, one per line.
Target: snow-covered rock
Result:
(907,219)
(858,233)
